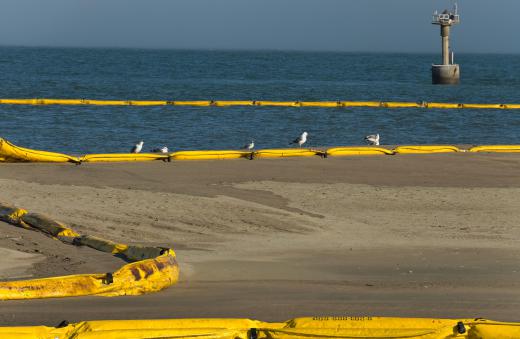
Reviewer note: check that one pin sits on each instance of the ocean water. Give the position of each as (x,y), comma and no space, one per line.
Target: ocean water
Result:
(248,75)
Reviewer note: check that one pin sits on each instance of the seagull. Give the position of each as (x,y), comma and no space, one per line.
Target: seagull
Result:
(249,146)
(163,150)
(138,147)
(300,140)
(372,139)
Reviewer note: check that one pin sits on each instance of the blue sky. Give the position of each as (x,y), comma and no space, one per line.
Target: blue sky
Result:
(342,25)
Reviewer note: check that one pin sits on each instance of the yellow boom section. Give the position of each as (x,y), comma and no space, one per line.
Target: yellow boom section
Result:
(227,103)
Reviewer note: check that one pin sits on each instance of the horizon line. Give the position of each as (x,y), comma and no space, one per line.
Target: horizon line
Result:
(226,49)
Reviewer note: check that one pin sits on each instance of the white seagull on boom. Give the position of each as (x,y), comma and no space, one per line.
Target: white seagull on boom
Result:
(372,139)
(138,147)
(300,140)
(249,146)
(163,150)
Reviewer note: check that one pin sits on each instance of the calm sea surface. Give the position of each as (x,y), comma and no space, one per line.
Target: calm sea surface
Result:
(227,75)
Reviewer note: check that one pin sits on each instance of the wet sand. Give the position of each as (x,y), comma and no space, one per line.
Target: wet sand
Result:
(407,235)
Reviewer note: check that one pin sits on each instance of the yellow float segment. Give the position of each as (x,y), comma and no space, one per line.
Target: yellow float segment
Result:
(13,153)
(209,155)
(344,327)
(420,149)
(123,157)
(442,105)
(145,276)
(401,104)
(224,103)
(320,104)
(496,148)
(277,103)
(192,103)
(346,151)
(360,104)
(154,268)
(287,152)
(233,103)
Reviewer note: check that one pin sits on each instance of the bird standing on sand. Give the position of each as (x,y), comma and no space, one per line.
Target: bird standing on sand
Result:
(249,146)
(300,140)
(138,147)
(372,139)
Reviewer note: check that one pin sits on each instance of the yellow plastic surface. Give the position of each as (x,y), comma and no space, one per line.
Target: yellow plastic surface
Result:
(130,252)
(101,244)
(443,105)
(318,327)
(47,225)
(209,155)
(418,149)
(360,104)
(11,214)
(145,276)
(496,148)
(148,103)
(387,104)
(12,153)
(233,103)
(346,151)
(122,157)
(192,103)
(401,104)
(287,152)
(278,103)
(320,104)
(154,268)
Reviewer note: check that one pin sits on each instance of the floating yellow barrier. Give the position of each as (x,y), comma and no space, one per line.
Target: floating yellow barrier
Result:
(401,104)
(346,151)
(496,148)
(278,103)
(123,157)
(209,155)
(319,104)
(104,102)
(148,103)
(443,105)
(233,103)
(360,104)
(417,149)
(318,327)
(191,103)
(153,270)
(224,103)
(287,152)
(13,153)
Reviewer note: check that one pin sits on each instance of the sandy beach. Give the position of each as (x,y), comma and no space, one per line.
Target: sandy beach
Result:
(406,235)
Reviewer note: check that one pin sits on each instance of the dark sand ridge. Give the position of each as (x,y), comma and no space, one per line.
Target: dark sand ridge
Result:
(432,235)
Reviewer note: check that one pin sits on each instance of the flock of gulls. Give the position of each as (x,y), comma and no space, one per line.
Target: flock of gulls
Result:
(372,140)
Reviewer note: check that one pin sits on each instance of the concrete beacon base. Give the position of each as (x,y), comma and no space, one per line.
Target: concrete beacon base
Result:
(445,74)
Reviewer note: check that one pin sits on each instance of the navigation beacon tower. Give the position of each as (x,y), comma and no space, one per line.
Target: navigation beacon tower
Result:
(447,72)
